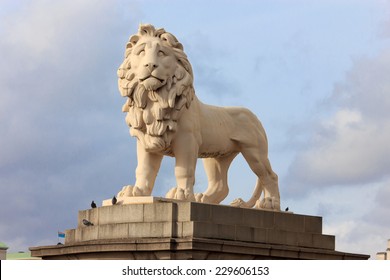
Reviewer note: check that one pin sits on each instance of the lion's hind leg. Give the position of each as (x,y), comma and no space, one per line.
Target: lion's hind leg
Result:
(268,180)
(216,171)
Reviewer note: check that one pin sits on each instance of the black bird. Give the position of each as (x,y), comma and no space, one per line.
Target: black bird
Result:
(93,204)
(114,200)
(87,223)
(286,209)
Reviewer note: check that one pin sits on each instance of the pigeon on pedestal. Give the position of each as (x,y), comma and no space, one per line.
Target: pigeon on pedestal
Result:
(87,223)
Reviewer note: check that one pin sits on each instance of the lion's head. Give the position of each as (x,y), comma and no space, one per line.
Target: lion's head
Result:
(157,78)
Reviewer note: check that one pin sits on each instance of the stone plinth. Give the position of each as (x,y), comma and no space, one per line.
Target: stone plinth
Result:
(188,230)
(134,200)
(384,255)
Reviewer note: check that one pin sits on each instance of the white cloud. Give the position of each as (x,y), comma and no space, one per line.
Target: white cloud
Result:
(351,146)
(378,215)
(344,166)
(358,217)
(357,237)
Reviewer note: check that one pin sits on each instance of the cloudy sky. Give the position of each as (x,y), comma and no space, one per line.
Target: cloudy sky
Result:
(315,72)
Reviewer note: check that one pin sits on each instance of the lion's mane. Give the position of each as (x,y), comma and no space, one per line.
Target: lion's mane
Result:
(153,114)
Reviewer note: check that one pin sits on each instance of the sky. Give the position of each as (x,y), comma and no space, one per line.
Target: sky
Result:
(314,72)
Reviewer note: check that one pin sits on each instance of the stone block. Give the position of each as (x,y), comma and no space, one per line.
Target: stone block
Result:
(381,256)
(183,211)
(188,229)
(313,224)
(205,230)
(305,239)
(214,231)
(113,231)
(86,234)
(227,232)
(139,230)
(162,229)
(244,233)
(257,218)
(177,229)
(150,230)
(70,235)
(289,222)
(118,214)
(91,215)
(275,236)
(158,212)
(324,241)
(200,212)
(260,235)
(226,215)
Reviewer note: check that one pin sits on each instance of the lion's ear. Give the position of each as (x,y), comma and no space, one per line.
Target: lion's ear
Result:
(132,41)
(147,29)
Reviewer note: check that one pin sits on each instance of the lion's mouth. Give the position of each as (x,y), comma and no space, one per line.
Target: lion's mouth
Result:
(152,82)
(152,77)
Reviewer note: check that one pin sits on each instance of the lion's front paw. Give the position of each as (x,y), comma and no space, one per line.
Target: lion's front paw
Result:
(268,203)
(180,194)
(126,191)
(137,191)
(171,193)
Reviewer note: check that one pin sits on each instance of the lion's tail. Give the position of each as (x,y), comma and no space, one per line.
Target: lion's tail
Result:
(238,202)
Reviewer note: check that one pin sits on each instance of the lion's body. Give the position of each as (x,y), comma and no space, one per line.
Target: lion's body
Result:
(168,119)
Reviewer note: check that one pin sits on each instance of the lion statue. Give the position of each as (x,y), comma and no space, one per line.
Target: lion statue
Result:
(167,118)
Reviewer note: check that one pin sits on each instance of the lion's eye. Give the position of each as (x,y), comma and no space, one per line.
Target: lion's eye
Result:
(161,53)
(140,52)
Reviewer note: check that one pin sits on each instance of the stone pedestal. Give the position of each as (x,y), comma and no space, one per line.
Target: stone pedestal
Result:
(166,229)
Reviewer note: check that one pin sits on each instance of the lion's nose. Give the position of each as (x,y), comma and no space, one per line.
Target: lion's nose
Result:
(151,66)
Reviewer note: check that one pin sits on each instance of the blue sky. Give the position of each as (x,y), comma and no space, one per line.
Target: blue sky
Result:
(314,72)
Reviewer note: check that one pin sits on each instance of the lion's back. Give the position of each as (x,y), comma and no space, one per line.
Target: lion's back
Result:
(247,127)
(230,126)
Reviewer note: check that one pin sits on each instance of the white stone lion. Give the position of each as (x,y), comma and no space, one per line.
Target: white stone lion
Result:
(167,118)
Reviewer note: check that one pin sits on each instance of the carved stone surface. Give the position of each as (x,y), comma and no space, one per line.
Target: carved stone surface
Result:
(167,118)
(190,230)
